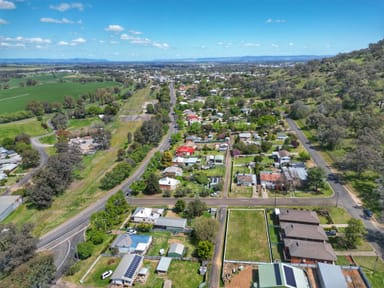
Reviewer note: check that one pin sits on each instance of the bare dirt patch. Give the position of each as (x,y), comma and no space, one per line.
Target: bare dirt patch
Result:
(238,279)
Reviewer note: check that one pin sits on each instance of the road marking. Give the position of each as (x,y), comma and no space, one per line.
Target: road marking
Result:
(66,255)
(47,247)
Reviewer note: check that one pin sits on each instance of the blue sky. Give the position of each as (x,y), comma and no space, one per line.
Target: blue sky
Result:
(168,29)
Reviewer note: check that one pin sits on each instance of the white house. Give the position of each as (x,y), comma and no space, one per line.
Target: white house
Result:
(167,183)
(148,215)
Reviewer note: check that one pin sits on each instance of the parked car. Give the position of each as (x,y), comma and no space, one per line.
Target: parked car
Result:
(331,232)
(131,231)
(367,213)
(106,274)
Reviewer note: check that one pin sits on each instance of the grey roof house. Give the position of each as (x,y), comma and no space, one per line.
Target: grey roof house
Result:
(171,224)
(126,272)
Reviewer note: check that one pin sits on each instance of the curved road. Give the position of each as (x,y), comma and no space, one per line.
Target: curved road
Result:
(343,197)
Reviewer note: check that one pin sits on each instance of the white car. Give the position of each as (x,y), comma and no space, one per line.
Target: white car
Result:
(106,274)
(131,231)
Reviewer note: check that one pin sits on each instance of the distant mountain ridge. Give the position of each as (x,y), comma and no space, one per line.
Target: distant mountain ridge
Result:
(240,59)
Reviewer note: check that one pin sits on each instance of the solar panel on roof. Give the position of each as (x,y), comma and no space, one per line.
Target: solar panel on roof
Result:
(277,273)
(289,276)
(133,267)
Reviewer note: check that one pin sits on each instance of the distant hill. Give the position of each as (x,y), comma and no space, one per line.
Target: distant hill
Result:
(242,59)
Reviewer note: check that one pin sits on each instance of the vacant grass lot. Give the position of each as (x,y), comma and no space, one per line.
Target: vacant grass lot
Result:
(30,126)
(246,236)
(16,99)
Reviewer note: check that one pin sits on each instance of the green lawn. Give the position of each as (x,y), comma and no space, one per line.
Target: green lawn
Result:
(74,124)
(50,139)
(104,264)
(30,126)
(159,241)
(16,99)
(246,236)
(373,269)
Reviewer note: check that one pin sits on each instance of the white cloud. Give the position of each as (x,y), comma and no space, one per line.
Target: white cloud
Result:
(270,20)
(113,42)
(143,41)
(291,44)
(135,32)
(250,44)
(3,22)
(224,44)
(78,41)
(274,45)
(7,5)
(114,28)
(20,41)
(58,21)
(63,43)
(62,7)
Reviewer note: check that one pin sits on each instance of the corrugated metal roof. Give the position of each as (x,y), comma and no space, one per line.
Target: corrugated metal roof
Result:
(171,222)
(124,266)
(282,275)
(164,264)
(176,248)
(331,276)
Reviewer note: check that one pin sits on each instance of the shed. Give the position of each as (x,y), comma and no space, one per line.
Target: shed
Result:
(330,276)
(176,250)
(175,225)
(163,265)
(8,204)
(126,272)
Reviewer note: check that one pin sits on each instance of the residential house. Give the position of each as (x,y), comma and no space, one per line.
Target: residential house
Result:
(302,232)
(219,159)
(281,136)
(246,179)
(185,151)
(167,183)
(178,161)
(175,225)
(163,266)
(302,251)
(8,204)
(245,136)
(127,270)
(282,275)
(147,215)
(222,147)
(281,157)
(191,161)
(173,171)
(271,180)
(298,216)
(193,118)
(176,250)
(126,243)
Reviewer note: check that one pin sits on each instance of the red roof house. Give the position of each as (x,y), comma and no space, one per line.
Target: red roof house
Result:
(185,151)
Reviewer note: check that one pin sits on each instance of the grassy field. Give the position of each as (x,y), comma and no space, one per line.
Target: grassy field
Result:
(104,264)
(16,99)
(30,126)
(84,191)
(246,236)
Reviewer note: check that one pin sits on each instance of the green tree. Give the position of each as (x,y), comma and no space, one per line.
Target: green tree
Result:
(179,206)
(354,233)
(195,208)
(205,249)
(315,178)
(84,250)
(153,186)
(38,272)
(166,159)
(205,229)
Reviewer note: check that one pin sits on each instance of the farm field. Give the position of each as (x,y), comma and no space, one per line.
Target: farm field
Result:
(16,98)
(246,238)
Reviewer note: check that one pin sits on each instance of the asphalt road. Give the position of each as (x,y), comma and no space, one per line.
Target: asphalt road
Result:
(342,197)
(63,238)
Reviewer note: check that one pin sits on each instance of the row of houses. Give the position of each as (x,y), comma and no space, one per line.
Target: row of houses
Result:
(304,240)
(9,160)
